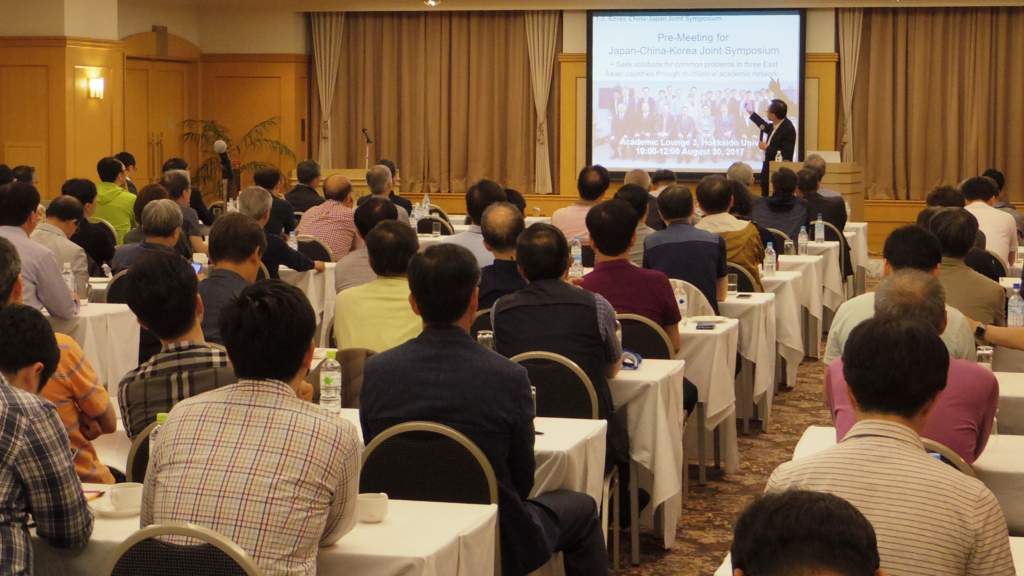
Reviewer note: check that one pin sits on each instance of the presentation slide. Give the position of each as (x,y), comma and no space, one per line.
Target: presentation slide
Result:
(675,90)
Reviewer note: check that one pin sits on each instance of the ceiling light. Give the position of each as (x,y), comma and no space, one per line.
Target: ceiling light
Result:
(431,3)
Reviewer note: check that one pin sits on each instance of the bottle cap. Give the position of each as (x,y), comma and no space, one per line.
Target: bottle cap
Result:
(161,417)
(803,228)
(1016,285)
(819,216)
(770,245)
(332,354)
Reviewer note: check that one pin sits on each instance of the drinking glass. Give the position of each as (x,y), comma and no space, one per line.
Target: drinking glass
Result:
(618,331)
(437,230)
(788,248)
(536,211)
(985,355)
(733,284)
(486,339)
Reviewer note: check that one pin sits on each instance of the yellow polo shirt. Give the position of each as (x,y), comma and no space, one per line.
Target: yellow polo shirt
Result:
(376,315)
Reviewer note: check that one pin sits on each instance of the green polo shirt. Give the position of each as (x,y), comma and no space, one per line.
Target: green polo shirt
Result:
(117,206)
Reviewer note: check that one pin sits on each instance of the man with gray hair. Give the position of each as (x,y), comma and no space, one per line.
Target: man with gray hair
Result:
(380,182)
(304,196)
(178,184)
(501,225)
(963,415)
(62,218)
(815,163)
(255,202)
(742,172)
(161,223)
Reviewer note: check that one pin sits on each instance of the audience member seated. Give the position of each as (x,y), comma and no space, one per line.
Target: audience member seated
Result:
(742,209)
(832,210)
(436,378)
(163,293)
(236,242)
(949,197)
(354,269)
(806,533)
(130,168)
(38,474)
(282,215)
(660,180)
(395,198)
(516,198)
(6,175)
(639,200)
(150,193)
(640,178)
(743,245)
(783,210)
(304,196)
(255,202)
(95,239)
(683,252)
(478,198)
(377,315)
(966,290)
(928,516)
(333,221)
(742,172)
(26,174)
(999,227)
(195,201)
(551,315)
(962,418)
(815,163)
(1003,202)
(114,203)
(62,218)
(161,223)
(179,189)
(284,471)
(381,185)
(44,284)
(502,223)
(571,220)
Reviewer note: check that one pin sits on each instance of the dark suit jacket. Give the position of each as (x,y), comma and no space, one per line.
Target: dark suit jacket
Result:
(645,126)
(833,211)
(195,202)
(667,124)
(622,127)
(279,254)
(97,242)
(282,217)
(443,376)
(399,201)
(686,126)
(784,141)
(303,198)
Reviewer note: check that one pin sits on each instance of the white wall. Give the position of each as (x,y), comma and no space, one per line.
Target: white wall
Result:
(137,16)
(253,32)
(92,19)
(32,18)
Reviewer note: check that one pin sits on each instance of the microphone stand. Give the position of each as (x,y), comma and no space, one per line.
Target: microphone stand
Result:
(368,142)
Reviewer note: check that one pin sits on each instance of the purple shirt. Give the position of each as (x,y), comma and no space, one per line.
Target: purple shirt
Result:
(634,290)
(961,420)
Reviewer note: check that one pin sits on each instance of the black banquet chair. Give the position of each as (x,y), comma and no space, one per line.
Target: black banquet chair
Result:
(215,555)
(641,335)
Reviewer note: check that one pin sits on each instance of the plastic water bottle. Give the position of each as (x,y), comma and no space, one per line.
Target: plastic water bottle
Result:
(778,156)
(576,249)
(106,270)
(160,419)
(819,230)
(1015,309)
(231,205)
(802,241)
(69,278)
(330,383)
(293,241)
(770,260)
(426,203)
(414,217)
(683,306)
(849,210)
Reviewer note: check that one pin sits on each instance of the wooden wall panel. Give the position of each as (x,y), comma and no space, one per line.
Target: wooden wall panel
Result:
(24,124)
(95,127)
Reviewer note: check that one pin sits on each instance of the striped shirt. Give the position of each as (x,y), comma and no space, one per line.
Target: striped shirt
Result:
(37,476)
(274,473)
(929,518)
(179,371)
(334,224)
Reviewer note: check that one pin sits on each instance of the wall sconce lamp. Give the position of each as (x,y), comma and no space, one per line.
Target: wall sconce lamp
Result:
(96,88)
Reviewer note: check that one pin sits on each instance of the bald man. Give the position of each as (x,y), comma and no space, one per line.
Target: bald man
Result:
(333,221)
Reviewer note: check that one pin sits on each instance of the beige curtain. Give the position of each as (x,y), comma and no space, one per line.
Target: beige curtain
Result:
(850,24)
(938,98)
(541,37)
(327,37)
(446,95)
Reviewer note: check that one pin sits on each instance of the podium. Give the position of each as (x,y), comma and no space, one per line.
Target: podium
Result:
(357,176)
(847,178)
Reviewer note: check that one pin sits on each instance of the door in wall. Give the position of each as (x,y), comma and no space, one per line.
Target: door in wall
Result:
(156,101)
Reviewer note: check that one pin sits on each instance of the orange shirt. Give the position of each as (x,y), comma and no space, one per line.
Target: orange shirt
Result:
(74,388)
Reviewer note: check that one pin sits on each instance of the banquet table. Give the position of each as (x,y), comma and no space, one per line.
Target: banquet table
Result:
(319,288)
(428,240)
(857,236)
(99,290)
(112,449)
(109,337)
(1011,403)
(1001,468)
(458,219)
(415,539)
(812,270)
(756,344)
(833,293)
(788,289)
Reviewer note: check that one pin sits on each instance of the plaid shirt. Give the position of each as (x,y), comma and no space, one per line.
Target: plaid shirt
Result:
(37,477)
(274,473)
(333,223)
(179,371)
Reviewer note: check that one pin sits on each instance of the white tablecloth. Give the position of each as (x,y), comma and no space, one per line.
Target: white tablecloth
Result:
(109,337)
(428,240)
(788,288)
(653,399)
(416,539)
(1001,468)
(812,269)
(1011,403)
(112,449)
(756,315)
(458,219)
(99,289)
(832,273)
(319,288)
(814,440)
(857,235)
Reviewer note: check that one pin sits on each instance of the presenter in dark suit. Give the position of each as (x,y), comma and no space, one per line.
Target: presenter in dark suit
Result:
(780,136)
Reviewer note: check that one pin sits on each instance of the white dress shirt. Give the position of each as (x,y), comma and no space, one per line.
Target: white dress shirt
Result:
(999,227)
(473,240)
(43,284)
(66,252)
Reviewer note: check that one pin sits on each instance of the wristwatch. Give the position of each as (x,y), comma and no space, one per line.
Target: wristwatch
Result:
(979,332)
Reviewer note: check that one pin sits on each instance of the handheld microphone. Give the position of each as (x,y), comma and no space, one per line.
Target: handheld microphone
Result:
(365,133)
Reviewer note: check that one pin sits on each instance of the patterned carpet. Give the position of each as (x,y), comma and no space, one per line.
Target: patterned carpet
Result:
(704,533)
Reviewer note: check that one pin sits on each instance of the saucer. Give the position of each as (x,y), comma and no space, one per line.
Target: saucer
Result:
(107,509)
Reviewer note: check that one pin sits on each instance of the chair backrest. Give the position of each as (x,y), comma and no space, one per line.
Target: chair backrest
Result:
(263,273)
(111,232)
(696,302)
(298,216)
(144,553)
(116,289)
(646,338)
(563,389)
(138,456)
(481,322)
(744,279)
(780,240)
(430,462)
(985,263)
(841,238)
(313,248)
(425,225)
(1006,267)
(435,209)
(217,208)
(948,456)
(587,255)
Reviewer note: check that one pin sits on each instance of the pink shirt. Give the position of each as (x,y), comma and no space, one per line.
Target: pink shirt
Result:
(962,419)
(332,223)
(572,220)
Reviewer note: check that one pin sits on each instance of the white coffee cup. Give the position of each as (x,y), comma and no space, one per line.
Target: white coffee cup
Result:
(126,496)
(372,507)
